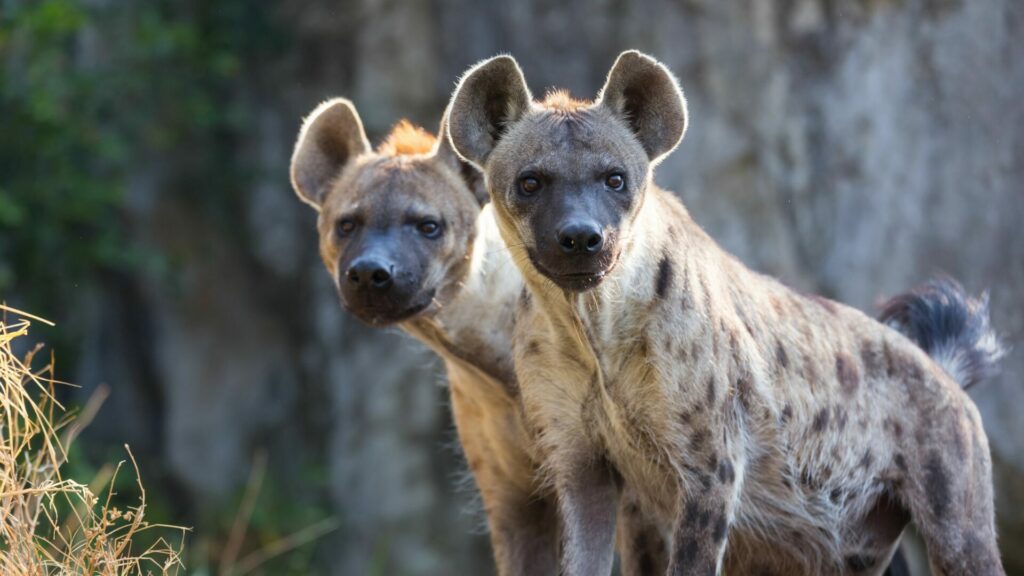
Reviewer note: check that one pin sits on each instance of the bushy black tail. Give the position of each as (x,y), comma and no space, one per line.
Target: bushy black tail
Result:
(952,327)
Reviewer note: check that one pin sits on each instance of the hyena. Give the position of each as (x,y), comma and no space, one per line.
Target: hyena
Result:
(763,430)
(404,237)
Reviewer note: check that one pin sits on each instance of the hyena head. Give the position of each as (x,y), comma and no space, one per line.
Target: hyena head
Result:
(396,224)
(567,177)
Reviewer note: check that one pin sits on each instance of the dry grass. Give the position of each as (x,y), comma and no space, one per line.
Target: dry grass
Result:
(51,525)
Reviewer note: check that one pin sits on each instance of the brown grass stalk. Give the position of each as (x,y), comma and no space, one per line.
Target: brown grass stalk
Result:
(49,524)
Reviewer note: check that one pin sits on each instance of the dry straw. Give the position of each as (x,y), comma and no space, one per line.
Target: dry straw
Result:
(49,524)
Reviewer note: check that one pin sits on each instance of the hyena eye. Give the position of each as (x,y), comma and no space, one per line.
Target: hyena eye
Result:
(529,185)
(429,228)
(345,226)
(615,181)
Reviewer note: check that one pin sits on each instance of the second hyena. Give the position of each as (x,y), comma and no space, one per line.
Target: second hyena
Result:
(766,431)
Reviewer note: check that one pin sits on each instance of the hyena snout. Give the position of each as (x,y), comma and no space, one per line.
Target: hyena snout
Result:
(580,237)
(370,273)
(380,287)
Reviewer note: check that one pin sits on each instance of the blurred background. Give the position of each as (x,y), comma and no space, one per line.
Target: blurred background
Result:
(852,148)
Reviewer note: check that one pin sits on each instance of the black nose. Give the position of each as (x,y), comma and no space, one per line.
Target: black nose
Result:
(580,238)
(369,272)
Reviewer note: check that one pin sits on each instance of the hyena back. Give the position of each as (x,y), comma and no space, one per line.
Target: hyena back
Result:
(768,432)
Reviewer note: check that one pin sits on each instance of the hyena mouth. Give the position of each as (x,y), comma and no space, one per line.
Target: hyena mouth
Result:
(378,315)
(573,281)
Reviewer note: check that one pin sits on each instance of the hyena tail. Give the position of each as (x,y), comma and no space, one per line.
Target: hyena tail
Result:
(951,326)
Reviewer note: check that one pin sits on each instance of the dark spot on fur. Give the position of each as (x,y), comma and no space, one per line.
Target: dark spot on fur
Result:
(691,512)
(718,532)
(809,481)
(860,563)
(525,299)
(705,481)
(901,462)
(867,459)
(713,462)
(847,373)
(787,413)
(704,519)
(533,348)
(781,358)
(687,551)
(685,416)
(743,388)
(835,495)
(896,427)
(643,555)
(820,420)
(726,473)
(711,391)
(664,278)
(698,440)
(936,485)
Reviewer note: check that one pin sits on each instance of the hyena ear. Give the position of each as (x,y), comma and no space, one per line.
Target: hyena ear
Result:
(331,136)
(470,174)
(492,95)
(641,91)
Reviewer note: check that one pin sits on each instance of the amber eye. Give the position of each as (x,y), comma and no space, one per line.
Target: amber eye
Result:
(615,181)
(345,227)
(529,185)
(429,228)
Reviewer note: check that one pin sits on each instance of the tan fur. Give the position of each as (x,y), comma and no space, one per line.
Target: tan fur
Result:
(764,431)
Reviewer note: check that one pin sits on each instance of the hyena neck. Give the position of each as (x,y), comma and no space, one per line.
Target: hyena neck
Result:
(474,326)
(669,268)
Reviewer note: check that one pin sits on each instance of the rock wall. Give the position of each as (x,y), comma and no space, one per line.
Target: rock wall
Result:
(850,148)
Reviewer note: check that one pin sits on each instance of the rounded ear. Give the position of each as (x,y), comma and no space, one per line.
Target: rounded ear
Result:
(490,96)
(331,136)
(643,92)
(469,173)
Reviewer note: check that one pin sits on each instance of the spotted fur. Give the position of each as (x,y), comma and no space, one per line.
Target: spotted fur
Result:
(755,425)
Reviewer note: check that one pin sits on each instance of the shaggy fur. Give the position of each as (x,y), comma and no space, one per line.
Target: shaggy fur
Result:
(765,431)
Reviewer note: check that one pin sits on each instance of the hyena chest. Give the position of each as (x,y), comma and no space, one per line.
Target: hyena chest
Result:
(629,416)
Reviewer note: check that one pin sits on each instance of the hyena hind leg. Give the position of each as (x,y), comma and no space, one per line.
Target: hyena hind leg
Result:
(949,492)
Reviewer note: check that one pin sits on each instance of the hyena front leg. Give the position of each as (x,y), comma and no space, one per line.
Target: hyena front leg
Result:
(587,500)
(699,541)
(523,524)
(706,506)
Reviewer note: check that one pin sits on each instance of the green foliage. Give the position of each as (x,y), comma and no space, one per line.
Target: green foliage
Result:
(104,106)
(93,95)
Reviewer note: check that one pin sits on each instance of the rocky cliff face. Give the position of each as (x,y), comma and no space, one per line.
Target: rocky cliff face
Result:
(850,148)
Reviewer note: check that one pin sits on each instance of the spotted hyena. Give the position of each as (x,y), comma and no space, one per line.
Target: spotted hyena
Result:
(765,431)
(404,237)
